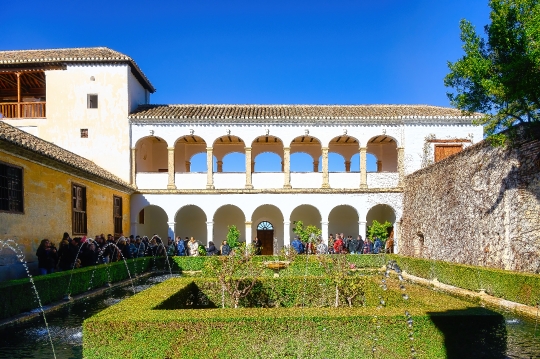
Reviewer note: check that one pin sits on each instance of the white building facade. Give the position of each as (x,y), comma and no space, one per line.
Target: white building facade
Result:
(202,204)
(94,102)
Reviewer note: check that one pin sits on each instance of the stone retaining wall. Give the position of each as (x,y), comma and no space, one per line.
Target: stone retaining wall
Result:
(480,207)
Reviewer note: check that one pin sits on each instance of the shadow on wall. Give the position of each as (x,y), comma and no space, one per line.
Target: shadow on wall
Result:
(527,170)
(472,333)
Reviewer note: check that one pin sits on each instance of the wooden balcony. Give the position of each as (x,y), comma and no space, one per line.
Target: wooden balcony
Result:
(22,110)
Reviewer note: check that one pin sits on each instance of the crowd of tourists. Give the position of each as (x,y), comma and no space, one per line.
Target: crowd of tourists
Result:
(87,251)
(343,245)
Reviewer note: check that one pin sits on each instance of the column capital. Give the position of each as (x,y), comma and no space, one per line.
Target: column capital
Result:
(364,149)
(249,222)
(209,148)
(324,149)
(324,223)
(286,222)
(171,223)
(134,148)
(247,148)
(286,148)
(362,222)
(170,148)
(209,223)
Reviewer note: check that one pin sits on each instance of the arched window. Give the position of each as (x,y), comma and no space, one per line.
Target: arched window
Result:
(265,226)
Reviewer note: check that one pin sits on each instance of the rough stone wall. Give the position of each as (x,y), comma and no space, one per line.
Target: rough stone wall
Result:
(480,207)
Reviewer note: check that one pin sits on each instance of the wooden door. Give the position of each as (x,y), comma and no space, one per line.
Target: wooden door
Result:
(266,236)
(443,151)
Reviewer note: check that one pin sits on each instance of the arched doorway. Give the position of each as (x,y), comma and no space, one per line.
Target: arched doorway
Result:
(343,219)
(224,217)
(153,220)
(270,215)
(265,233)
(306,213)
(381,213)
(191,222)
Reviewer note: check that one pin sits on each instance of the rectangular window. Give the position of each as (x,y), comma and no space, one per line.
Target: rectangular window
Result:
(92,101)
(84,133)
(117,215)
(443,151)
(141,216)
(79,209)
(11,188)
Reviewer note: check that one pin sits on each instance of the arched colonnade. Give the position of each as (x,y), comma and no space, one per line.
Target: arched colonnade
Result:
(272,224)
(156,153)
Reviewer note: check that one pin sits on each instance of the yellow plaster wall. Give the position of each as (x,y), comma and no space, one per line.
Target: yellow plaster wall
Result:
(47,207)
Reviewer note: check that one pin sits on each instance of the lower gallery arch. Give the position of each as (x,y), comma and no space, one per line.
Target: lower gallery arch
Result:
(191,222)
(306,213)
(272,239)
(153,220)
(343,219)
(381,213)
(225,216)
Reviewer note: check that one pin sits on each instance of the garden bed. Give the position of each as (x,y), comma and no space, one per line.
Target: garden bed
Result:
(292,317)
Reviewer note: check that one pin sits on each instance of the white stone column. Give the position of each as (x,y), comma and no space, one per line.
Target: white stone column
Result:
(170,232)
(248,233)
(325,183)
(324,231)
(286,233)
(362,229)
(134,166)
(249,168)
(170,184)
(401,165)
(209,232)
(287,166)
(363,167)
(210,168)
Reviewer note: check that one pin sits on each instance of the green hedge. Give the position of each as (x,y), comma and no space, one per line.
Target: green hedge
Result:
(141,328)
(515,286)
(17,296)
(302,264)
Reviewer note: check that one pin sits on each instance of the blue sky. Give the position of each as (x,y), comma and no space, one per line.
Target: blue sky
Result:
(265,52)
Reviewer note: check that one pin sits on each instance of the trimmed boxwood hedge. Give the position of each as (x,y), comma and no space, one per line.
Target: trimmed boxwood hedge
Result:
(17,296)
(514,286)
(141,328)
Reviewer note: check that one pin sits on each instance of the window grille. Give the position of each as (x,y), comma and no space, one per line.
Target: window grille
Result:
(265,226)
(79,209)
(11,189)
(117,215)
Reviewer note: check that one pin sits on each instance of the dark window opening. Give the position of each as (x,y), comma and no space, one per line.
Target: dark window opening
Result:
(11,189)
(92,101)
(79,209)
(141,216)
(84,133)
(117,215)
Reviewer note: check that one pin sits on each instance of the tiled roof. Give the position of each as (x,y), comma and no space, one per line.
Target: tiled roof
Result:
(85,54)
(10,135)
(388,114)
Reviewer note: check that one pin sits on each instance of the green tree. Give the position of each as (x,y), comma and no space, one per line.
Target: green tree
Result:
(306,234)
(500,76)
(378,229)
(232,236)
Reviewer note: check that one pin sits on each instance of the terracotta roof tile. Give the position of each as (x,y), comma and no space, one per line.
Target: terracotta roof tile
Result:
(22,139)
(85,54)
(389,114)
